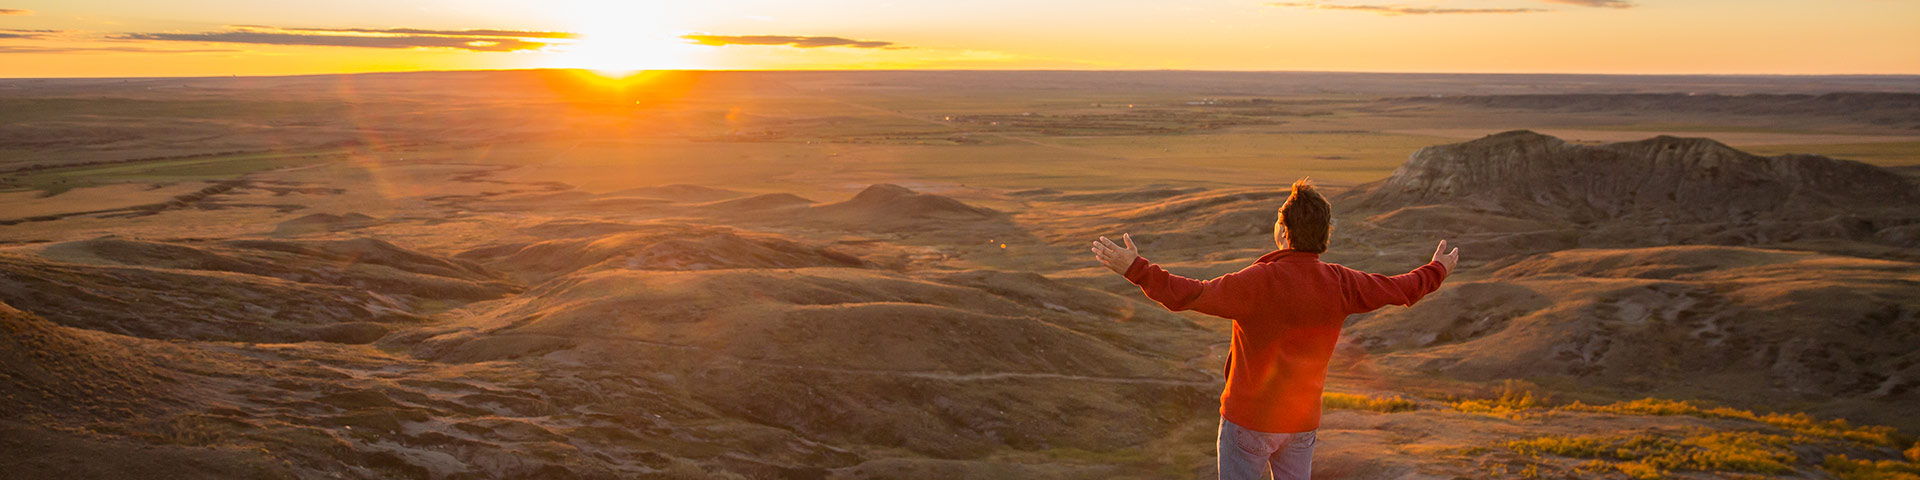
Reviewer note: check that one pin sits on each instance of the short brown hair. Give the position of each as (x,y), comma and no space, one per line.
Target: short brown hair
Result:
(1308,218)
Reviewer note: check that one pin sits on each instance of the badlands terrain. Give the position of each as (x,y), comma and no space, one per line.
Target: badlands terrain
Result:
(554,274)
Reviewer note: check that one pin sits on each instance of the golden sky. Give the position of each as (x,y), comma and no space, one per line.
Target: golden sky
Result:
(106,38)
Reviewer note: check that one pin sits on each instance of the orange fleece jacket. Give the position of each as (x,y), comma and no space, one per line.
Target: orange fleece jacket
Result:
(1287,309)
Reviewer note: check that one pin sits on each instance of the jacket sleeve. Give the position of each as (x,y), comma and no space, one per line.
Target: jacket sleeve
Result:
(1366,292)
(1212,297)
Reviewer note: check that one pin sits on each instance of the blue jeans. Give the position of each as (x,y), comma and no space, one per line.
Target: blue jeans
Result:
(1249,455)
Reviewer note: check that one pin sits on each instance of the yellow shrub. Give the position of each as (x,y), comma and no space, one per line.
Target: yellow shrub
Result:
(1795,422)
(1849,469)
(1837,428)
(1644,406)
(1639,471)
(1512,396)
(1650,455)
(1346,401)
(1517,395)
(1581,447)
(1736,451)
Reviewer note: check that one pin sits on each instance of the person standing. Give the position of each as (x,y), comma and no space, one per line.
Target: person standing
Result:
(1287,309)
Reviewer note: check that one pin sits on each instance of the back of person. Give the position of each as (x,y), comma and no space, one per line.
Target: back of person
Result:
(1287,309)
(1290,344)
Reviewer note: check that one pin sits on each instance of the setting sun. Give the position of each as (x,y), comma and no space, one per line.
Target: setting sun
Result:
(617,39)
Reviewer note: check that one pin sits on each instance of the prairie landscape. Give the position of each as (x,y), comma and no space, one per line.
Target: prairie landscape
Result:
(884,274)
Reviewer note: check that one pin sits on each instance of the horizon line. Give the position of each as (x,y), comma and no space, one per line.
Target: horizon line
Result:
(935,70)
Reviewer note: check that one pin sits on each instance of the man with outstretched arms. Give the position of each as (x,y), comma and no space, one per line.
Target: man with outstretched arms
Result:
(1287,309)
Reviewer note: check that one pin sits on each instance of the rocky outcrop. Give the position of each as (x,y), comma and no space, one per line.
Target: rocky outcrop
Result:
(1688,180)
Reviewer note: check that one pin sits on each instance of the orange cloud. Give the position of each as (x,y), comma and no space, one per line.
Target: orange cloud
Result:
(65,50)
(25,34)
(419,31)
(484,41)
(787,40)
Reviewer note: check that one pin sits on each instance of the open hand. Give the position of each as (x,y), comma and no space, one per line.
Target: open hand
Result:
(1116,257)
(1445,257)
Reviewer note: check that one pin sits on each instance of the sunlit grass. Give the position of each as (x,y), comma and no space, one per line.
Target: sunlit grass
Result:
(1647,456)
(1347,401)
(1513,396)
(1800,423)
(1754,449)
(1846,468)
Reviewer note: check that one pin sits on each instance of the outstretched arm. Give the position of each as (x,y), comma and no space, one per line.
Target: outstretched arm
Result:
(1173,291)
(1367,292)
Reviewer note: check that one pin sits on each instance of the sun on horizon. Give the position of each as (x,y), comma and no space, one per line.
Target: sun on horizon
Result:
(620,39)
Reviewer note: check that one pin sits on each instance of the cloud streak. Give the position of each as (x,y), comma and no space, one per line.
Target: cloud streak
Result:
(477,43)
(25,34)
(1595,3)
(1396,10)
(787,40)
(490,33)
(5,49)
(14,11)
